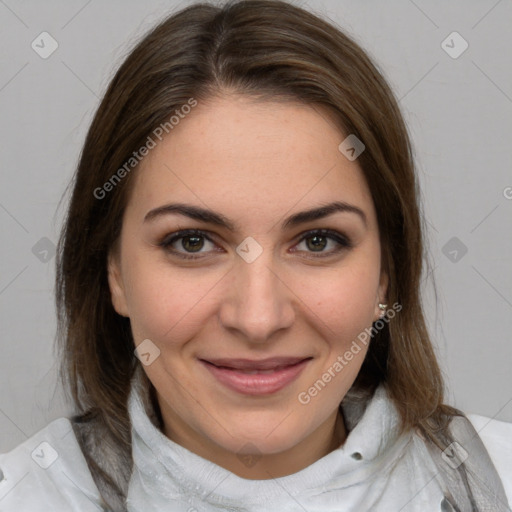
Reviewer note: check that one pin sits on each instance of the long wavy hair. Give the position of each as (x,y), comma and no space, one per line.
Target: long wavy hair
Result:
(272,50)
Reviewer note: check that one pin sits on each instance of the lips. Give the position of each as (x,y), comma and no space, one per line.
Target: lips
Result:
(257,378)
(254,366)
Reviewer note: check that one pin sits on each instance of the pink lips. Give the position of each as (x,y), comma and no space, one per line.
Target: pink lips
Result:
(265,377)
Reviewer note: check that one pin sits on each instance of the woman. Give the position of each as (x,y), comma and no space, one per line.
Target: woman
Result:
(238,283)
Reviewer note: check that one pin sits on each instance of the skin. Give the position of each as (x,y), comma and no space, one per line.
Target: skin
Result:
(256,163)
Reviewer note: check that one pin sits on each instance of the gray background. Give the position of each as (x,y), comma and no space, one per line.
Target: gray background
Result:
(458,111)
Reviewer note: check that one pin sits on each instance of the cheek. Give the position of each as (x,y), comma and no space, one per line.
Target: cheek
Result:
(167,303)
(344,302)
(164,303)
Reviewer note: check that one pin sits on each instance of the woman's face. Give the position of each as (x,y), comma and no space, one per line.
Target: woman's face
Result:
(255,288)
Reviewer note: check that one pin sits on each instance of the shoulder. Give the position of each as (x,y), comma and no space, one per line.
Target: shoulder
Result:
(48,472)
(497,439)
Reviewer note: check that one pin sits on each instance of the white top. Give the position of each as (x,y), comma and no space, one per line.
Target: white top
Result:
(48,472)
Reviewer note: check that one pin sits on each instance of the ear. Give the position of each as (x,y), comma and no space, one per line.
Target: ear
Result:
(382,294)
(116,285)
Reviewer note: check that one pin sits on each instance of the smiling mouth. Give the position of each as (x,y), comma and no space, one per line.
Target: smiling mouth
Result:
(256,371)
(261,377)
(269,365)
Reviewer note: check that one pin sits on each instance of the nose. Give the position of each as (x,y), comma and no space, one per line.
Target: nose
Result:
(259,301)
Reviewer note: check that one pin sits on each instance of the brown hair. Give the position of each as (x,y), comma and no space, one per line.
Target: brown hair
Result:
(267,49)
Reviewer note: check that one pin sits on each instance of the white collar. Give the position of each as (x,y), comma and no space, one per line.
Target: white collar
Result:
(165,472)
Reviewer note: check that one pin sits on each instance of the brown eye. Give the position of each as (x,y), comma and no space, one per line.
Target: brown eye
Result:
(192,241)
(317,240)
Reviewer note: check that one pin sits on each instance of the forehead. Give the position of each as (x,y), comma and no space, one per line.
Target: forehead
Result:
(245,156)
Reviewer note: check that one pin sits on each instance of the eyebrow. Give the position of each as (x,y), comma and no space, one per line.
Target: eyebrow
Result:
(212,217)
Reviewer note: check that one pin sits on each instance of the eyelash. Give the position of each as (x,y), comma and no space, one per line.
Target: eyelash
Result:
(343,241)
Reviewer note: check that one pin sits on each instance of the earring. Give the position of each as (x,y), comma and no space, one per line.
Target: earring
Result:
(382,308)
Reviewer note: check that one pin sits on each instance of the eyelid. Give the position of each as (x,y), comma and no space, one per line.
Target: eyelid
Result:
(344,242)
